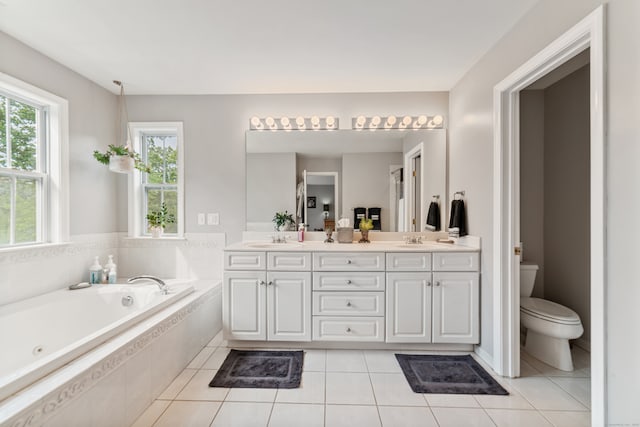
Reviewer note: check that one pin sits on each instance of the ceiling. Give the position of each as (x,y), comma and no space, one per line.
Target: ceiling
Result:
(252,46)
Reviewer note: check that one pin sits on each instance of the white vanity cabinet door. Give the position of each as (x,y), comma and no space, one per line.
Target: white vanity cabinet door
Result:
(289,261)
(348,261)
(413,261)
(244,304)
(408,317)
(242,260)
(289,306)
(456,261)
(348,281)
(456,308)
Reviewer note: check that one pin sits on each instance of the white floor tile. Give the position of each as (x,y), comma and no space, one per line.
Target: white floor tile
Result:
(550,371)
(202,357)
(396,416)
(512,401)
(311,390)
(349,388)
(512,417)
(152,413)
(177,384)
(579,388)
(526,370)
(451,400)
(545,395)
(216,359)
(240,414)
(346,361)
(393,389)
(382,361)
(251,395)
(462,417)
(351,416)
(192,414)
(288,415)
(315,360)
(216,341)
(198,388)
(568,418)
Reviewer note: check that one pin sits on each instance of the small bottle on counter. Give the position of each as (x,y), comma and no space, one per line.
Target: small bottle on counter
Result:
(112,271)
(95,272)
(301,233)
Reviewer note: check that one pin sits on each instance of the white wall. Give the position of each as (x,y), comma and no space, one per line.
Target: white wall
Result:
(471,163)
(214,130)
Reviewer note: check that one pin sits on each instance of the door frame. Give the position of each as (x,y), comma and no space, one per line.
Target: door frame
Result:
(409,203)
(588,33)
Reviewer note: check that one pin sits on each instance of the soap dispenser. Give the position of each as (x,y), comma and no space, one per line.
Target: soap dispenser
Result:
(112,271)
(95,272)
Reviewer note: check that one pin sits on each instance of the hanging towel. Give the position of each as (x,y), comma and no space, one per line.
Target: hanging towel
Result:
(458,217)
(433,217)
(300,199)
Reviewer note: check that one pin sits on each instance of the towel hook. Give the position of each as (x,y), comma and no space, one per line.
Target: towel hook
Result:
(458,193)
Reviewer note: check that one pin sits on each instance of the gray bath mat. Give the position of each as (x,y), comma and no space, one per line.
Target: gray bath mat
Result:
(447,375)
(260,369)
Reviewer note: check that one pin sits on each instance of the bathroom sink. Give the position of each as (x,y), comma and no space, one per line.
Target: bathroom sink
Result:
(269,245)
(410,245)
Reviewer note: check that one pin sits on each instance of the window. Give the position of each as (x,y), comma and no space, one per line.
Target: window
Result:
(160,146)
(32,165)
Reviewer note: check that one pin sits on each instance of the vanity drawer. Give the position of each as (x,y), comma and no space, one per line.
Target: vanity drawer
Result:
(245,260)
(456,261)
(335,328)
(348,261)
(289,261)
(414,261)
(348,281)
(348,303)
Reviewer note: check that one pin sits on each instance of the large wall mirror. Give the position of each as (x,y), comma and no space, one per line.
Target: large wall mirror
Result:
(321,176)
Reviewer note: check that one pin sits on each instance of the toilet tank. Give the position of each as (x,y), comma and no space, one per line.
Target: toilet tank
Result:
(527,278)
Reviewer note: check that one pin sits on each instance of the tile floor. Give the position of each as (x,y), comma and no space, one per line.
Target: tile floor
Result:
(367,388)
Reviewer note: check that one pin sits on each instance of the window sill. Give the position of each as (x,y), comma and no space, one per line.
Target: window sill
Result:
(35,246)
(175,238)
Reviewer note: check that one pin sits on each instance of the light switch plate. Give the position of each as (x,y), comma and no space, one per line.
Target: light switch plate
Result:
(213,218)
(201,219)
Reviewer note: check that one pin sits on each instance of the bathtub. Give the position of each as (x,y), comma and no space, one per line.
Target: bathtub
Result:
(52,340)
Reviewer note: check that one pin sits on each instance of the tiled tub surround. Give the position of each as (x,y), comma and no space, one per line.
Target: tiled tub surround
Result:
(378,295)
(114,383)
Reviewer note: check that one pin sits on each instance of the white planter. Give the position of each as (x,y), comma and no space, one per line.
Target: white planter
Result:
(121,164)
(156,232)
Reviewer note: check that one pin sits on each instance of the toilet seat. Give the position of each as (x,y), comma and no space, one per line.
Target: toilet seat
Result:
(549,311)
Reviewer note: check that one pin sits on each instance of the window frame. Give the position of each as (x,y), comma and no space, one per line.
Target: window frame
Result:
(52,161)
(137,203)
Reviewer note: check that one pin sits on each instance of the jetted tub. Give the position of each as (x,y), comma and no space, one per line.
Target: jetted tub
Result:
(42,334)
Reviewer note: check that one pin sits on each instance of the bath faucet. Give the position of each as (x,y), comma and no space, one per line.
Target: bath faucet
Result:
(163,286)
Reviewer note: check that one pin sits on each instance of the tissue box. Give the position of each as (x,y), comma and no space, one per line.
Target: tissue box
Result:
(345,234)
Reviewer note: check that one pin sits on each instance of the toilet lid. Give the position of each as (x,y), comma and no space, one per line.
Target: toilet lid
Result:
(549,310)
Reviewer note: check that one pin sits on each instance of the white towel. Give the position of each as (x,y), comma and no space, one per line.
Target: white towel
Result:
(300,198)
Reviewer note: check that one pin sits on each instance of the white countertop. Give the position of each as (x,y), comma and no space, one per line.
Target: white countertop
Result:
(382,246)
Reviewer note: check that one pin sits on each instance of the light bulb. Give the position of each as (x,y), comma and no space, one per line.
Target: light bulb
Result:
(375,121)
(391,120)
(331,121)
(284,121)
(422,120)
(315,121)
(300,121)
(360,121)
(406,120)
(437,120)
(255,121)
(270,121)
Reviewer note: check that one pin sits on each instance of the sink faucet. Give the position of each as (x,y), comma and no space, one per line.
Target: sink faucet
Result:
(161,284)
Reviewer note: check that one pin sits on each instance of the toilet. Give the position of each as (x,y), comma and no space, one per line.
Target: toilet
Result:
(549,325)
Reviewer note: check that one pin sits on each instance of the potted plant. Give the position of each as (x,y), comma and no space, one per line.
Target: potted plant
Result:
(158,220)
(283,220)
(365,226)
(121,159)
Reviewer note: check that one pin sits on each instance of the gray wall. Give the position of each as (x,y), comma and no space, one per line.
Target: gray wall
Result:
(214,128)
(271,181)
(92,125)
(367,183)
(471,168)
(566,195)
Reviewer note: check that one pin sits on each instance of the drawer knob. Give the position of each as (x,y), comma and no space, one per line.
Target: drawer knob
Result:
(348,329)
(348,303)
(270,283)
(348,261)
(261,282)
(428,283)
(437,283)
(348,282)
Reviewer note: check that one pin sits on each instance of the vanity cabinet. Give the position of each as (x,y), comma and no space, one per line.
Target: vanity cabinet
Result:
(434,307)
(273,304)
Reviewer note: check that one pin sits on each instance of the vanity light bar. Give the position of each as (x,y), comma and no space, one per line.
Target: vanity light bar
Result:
(397,122)
(293,123)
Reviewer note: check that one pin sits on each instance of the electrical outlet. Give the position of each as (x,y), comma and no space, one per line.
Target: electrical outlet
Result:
(200,219)
(213,218)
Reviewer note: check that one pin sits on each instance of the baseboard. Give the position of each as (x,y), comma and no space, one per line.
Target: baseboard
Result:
(583,344)
(486,357)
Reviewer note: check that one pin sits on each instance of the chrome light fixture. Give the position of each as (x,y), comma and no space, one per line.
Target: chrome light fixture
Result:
(393,122)
(298,123)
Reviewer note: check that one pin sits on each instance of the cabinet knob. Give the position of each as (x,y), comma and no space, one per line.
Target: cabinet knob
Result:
(348,261)
(348,303)
(348,329)
(428,283)
(261,282)
(348,282)
(437,283)
(270,283)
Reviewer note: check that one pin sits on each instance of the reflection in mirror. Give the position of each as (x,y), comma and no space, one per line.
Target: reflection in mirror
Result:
(368,173)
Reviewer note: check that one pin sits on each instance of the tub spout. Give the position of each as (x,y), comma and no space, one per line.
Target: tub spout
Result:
(164,289)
